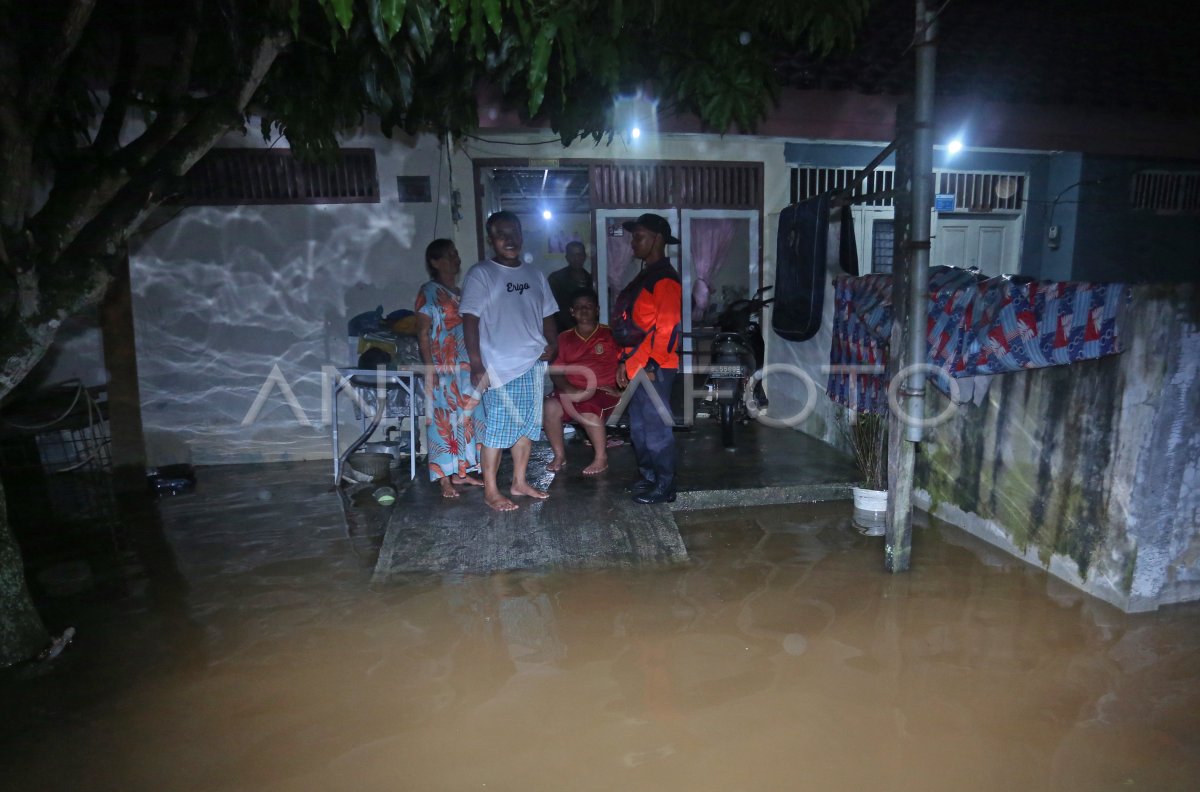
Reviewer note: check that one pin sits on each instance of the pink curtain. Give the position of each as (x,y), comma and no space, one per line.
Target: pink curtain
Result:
(620,256)
(710,243)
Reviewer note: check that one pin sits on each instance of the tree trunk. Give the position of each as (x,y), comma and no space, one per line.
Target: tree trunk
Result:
(22,634)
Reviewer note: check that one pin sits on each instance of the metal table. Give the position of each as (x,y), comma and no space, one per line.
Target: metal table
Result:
(379,380)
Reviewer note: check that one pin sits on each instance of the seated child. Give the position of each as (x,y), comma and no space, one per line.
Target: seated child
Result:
(588,347)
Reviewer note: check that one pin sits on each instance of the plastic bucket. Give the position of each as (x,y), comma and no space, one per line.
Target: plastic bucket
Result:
(870,500)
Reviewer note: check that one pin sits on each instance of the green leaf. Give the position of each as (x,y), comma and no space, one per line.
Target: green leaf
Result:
(423,29)
(294,15)
(375,12)
(539,63)
(478,31)
(492,9)
(393,16)
(344,11)
(458,18)
(519,13)
(566,47)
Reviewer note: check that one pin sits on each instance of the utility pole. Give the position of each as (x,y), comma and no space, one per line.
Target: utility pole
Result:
(909,342)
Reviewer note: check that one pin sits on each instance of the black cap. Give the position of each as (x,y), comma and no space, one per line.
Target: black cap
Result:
(652,222)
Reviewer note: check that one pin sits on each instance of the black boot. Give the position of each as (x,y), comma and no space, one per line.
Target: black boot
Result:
(639,485)
(662,492)
(644,482)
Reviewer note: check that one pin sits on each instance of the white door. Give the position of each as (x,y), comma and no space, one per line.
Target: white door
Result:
(615,265)
(991,243)
(874,236)
(735,275)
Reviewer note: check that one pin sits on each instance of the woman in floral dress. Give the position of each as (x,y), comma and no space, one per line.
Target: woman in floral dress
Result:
(452,431)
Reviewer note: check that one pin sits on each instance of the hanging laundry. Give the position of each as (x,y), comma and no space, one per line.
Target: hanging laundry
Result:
(976,326)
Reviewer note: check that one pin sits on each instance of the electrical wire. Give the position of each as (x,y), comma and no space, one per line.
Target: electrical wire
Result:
(920,34)
(34,427)
(513,142)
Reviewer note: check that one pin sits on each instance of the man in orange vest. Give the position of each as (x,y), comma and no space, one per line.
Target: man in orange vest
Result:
(647,319)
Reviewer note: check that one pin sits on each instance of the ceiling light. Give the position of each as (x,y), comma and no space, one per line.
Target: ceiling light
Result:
(547,214)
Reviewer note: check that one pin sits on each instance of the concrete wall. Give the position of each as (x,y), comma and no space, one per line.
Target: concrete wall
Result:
(1091,470)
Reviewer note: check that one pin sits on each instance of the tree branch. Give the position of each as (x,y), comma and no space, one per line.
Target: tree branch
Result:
(76,202)
(16,155)
(181,66)
(108,137)
(43,77)
(152,183)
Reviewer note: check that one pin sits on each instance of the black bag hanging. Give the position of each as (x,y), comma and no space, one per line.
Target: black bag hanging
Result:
(848,250)
(800,266)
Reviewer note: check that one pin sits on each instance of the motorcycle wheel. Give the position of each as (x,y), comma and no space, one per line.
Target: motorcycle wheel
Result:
(727,424)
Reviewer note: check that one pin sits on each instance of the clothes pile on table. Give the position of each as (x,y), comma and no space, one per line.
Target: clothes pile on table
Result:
(389,341)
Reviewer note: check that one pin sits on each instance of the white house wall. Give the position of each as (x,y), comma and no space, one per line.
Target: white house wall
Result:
(224,295)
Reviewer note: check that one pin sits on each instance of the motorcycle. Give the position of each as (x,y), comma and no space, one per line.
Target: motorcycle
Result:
(736,354)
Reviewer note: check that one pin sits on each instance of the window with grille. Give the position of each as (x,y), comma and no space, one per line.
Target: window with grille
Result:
(883,241)
(226,177)
(811,182)
(973,192)
(1166,192)
(982,192)
(685,185)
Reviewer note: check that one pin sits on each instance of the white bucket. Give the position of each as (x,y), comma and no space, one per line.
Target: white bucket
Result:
(870,500)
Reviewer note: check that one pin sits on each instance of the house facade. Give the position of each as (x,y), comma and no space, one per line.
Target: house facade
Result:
(241,300)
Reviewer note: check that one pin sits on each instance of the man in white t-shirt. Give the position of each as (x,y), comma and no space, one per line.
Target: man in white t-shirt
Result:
(508,326)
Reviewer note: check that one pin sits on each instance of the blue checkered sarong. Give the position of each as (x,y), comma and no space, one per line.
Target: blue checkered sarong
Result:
(514,409)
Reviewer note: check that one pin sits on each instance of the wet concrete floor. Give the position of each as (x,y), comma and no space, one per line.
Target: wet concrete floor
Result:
(589,521)
(231,639)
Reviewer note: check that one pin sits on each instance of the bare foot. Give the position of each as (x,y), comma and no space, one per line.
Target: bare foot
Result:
(597,467)
(468,479)
(526,489)
(556,464)
(448,490)
(500,503)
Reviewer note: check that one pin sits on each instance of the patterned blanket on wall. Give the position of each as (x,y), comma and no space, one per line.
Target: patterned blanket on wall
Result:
(976,326)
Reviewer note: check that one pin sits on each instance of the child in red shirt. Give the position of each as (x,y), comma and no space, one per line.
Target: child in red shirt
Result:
(585,383)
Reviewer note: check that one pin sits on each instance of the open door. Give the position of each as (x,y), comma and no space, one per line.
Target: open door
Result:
(720,263)
(615,265)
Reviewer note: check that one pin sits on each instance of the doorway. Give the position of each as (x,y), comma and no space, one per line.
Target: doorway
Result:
(553,204)
(719,264)
(615,265)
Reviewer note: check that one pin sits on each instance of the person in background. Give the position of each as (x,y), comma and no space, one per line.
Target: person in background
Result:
(646,321)
(508,324)
(453,433)
(566,282)
(586,348)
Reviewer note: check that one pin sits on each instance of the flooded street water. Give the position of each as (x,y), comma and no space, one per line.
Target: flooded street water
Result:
(242,647)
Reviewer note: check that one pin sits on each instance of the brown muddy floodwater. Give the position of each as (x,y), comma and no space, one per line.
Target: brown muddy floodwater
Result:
(243,647)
